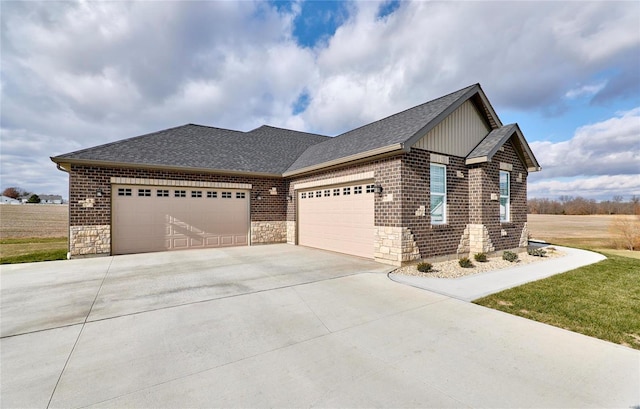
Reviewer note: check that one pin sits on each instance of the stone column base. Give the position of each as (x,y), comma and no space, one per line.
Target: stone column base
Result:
(524,237)
(90,240)
(291,232)
(268,232)
(475,239)
(394,245)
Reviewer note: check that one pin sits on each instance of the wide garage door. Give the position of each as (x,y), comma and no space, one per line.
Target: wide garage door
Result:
(337,218)
(159,218)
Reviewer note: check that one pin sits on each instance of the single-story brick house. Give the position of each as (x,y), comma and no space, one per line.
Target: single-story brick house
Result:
(445,178)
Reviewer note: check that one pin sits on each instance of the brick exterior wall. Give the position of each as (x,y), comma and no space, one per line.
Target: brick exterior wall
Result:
(404,205)
(85,180)
(434,240)
(484,181)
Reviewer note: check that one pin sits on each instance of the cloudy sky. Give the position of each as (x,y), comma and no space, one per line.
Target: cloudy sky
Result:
(79,74)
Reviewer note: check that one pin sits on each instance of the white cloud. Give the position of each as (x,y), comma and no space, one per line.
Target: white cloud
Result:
(609,147)
(585,90)
(598,187)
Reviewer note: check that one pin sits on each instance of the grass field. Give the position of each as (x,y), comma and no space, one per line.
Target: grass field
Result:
(592,232)
(601,300)
(28,221)
(33,233)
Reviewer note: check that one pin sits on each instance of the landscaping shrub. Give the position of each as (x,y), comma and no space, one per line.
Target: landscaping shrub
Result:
(480,257)
(537,252)
(510,256)
(424,267)
(465,262)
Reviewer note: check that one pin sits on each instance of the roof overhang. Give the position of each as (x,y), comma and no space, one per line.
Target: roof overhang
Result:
(64,164)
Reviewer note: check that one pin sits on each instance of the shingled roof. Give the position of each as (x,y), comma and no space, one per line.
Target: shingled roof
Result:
(495,139)
(265,150)
(281,152)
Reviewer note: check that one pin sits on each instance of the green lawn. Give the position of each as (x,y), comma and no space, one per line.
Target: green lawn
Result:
(600,300)
(32,250)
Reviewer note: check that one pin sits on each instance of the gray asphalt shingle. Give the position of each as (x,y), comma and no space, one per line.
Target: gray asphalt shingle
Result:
(268,149)
(490,144)
(392,130)
(263,150)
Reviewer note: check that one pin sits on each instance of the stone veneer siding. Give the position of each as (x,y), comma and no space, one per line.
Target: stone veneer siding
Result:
(90,240)
(84,181)
(269,232)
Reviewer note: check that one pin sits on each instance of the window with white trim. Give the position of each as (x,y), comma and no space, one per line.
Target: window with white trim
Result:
(212,195)
(226,195)
(438,189)
(357,190)
(336,192)
(196,193)
(180,193)
(124,192)
(303,195)
(346,191)
(327,193)
(144,192)
(241,195)
(370,188)
(162,193)
(505,196)
(319,193)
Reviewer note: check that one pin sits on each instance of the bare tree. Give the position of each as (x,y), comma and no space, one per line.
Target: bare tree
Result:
(626,230)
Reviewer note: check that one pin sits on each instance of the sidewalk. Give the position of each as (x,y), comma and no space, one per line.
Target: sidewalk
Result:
(476,286)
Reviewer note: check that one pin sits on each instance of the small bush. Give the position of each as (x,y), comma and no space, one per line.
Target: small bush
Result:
(480,257)
(537,252)
(424,267)
(465,262)
(510,256)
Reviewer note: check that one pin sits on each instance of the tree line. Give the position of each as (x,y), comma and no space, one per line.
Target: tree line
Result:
(581,206)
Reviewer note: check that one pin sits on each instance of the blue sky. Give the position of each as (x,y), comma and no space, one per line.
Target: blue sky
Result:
(78,74)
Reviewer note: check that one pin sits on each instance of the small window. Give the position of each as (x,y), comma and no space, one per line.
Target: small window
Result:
(212,195)
(196,193)
(336,192)
(357,190)
(319,193)
(370,188)
(346,191)
(144,192)
(180,193)
(226,195)
(505,196)
(124,192)
(303,195)
(240,195)
(162,193)
(438,189)
(310,196)
(327,193)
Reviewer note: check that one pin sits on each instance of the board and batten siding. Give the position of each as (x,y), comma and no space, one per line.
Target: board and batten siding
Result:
(457,134)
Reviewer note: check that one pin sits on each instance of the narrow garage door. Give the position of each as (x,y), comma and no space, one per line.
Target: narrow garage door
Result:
(152,218)
(337,218)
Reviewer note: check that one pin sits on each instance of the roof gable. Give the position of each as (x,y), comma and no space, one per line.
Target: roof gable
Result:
(488,147)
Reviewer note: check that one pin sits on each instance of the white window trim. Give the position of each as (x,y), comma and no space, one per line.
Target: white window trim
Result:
(444,195)
(507,218)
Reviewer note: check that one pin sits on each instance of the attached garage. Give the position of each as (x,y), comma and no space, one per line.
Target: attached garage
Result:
(159,218)
(338,218)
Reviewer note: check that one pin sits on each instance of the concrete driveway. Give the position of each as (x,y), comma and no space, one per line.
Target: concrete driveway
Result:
(281,326)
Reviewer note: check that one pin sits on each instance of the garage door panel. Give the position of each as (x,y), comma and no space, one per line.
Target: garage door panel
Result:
(341,223)
(157,223)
